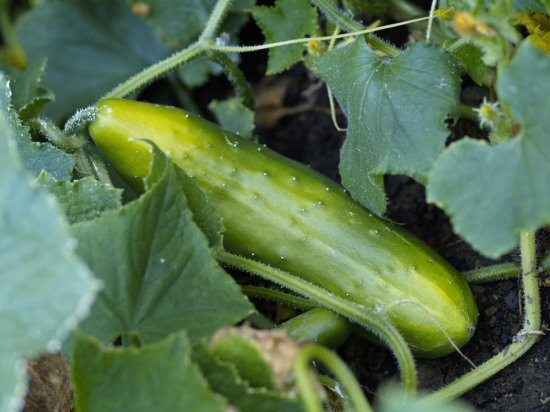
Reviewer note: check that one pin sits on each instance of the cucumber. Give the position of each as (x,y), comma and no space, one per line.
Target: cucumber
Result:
(284,214)
(318,325)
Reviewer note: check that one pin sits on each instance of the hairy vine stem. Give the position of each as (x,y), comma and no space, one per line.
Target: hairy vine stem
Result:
(206,45)
(525,339)
(310,398)
(369,319)
(340,19)
(273,295)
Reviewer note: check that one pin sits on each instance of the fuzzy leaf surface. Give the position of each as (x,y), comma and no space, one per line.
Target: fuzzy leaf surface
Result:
(396,110)
(45,289)
(81,200)
(159,273)
(157,377)
(492,193)
(37,157)
(286,20)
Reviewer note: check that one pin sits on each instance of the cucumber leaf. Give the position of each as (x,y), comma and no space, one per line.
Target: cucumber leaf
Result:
(104,43)
(288,19)
(38,157)
(396,110)
(223,378)
(470,57)
(492,193)
(45,289)
(157,377)
(159,273)
(82,200)
(206,217)
(234,116)
(28,93)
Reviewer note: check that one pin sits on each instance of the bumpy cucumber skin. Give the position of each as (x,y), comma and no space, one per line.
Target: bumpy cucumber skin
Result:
(282,213)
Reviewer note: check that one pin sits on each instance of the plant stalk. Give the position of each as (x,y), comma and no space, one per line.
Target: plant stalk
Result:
(214,21)
(157,70)
(372,321)
(522,342)
(273,295)
(490,273)
(309,395)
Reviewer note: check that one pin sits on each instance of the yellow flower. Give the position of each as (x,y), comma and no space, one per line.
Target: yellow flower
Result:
(538,26)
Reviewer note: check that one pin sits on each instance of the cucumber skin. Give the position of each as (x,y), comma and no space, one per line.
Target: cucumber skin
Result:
(318,325)
(282,213)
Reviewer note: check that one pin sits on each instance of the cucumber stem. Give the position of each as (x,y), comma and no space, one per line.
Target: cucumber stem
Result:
(468,112)
(493,272)
(522,342)
(214,21)
(157,70)
(367,318)
(51,132)
(205,45)
(430,21)
(243,49)
(186,55)
(287,299)
(307,390)
(99,168)
(235,76)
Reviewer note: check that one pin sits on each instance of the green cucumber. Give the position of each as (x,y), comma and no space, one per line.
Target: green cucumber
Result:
(284,214)
(318,325)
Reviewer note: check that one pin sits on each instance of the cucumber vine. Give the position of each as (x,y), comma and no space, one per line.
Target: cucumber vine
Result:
(494,42)
(207,45)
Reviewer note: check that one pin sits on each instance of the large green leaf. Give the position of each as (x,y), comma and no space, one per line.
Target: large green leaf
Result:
(45,288)
(91,46)
(158,377)
(396,110)
(206,217)
(492,193)
(159,274)
(287,20)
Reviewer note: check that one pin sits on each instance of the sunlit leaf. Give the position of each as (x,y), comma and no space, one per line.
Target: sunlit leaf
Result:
(159,273)
(81,200)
